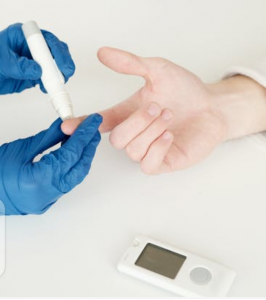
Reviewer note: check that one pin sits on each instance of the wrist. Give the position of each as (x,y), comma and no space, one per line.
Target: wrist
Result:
(241,103)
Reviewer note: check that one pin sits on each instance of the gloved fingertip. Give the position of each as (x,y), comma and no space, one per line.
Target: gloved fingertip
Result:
(48,35)
(42,88)
(71,69)
(93,121)
(55,129)
(68,69)
(57,122)
(86,131)
(95,118)
(36,71)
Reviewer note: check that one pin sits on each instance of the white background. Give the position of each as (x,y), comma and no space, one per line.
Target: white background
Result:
(216,209)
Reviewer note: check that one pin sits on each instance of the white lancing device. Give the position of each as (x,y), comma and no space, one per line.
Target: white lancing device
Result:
(52,78)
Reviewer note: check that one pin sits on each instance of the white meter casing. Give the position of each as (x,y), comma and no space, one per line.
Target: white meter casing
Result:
(175,270)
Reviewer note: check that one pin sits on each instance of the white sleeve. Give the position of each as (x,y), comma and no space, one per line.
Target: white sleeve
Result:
(257,72)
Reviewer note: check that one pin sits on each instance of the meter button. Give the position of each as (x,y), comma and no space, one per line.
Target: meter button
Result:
(200,275)
(135,243)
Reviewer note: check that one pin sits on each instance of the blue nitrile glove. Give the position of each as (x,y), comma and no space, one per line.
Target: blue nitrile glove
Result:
(17,69)
(28,187)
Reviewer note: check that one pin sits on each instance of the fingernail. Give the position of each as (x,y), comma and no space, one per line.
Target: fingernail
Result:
(167,135)
(167,114)
(154,109)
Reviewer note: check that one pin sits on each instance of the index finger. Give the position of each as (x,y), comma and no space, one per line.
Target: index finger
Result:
(69,126)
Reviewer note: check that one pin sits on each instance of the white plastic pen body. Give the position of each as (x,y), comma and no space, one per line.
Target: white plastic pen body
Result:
(52,78)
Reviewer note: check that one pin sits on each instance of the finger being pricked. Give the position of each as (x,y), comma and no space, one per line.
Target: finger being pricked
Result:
(133,126)
(69,126)
(139,146)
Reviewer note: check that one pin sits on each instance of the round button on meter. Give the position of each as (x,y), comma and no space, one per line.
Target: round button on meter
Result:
(200,275)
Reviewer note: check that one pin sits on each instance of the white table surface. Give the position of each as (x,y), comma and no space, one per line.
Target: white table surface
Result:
(216,209)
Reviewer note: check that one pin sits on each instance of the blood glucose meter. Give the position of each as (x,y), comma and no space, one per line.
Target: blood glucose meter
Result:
(175,270)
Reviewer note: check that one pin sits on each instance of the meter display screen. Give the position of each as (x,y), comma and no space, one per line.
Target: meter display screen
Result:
(161,261)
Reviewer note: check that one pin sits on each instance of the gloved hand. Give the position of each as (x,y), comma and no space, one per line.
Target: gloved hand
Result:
(28,187)
(17,69)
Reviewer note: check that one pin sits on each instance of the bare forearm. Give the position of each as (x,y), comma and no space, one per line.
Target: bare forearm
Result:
(242,103)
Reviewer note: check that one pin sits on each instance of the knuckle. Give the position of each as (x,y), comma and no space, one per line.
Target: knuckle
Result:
(133,153)
(159,61)
(148,169)
(177,162)
(64,185)
(115,140)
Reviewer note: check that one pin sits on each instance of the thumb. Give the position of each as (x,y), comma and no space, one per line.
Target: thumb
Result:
(122,61)
(18,67)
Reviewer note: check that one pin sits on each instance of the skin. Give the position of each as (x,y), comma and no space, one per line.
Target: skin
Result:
(175,120)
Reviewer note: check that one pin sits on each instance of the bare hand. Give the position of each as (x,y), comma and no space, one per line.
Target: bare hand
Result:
(173,122)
